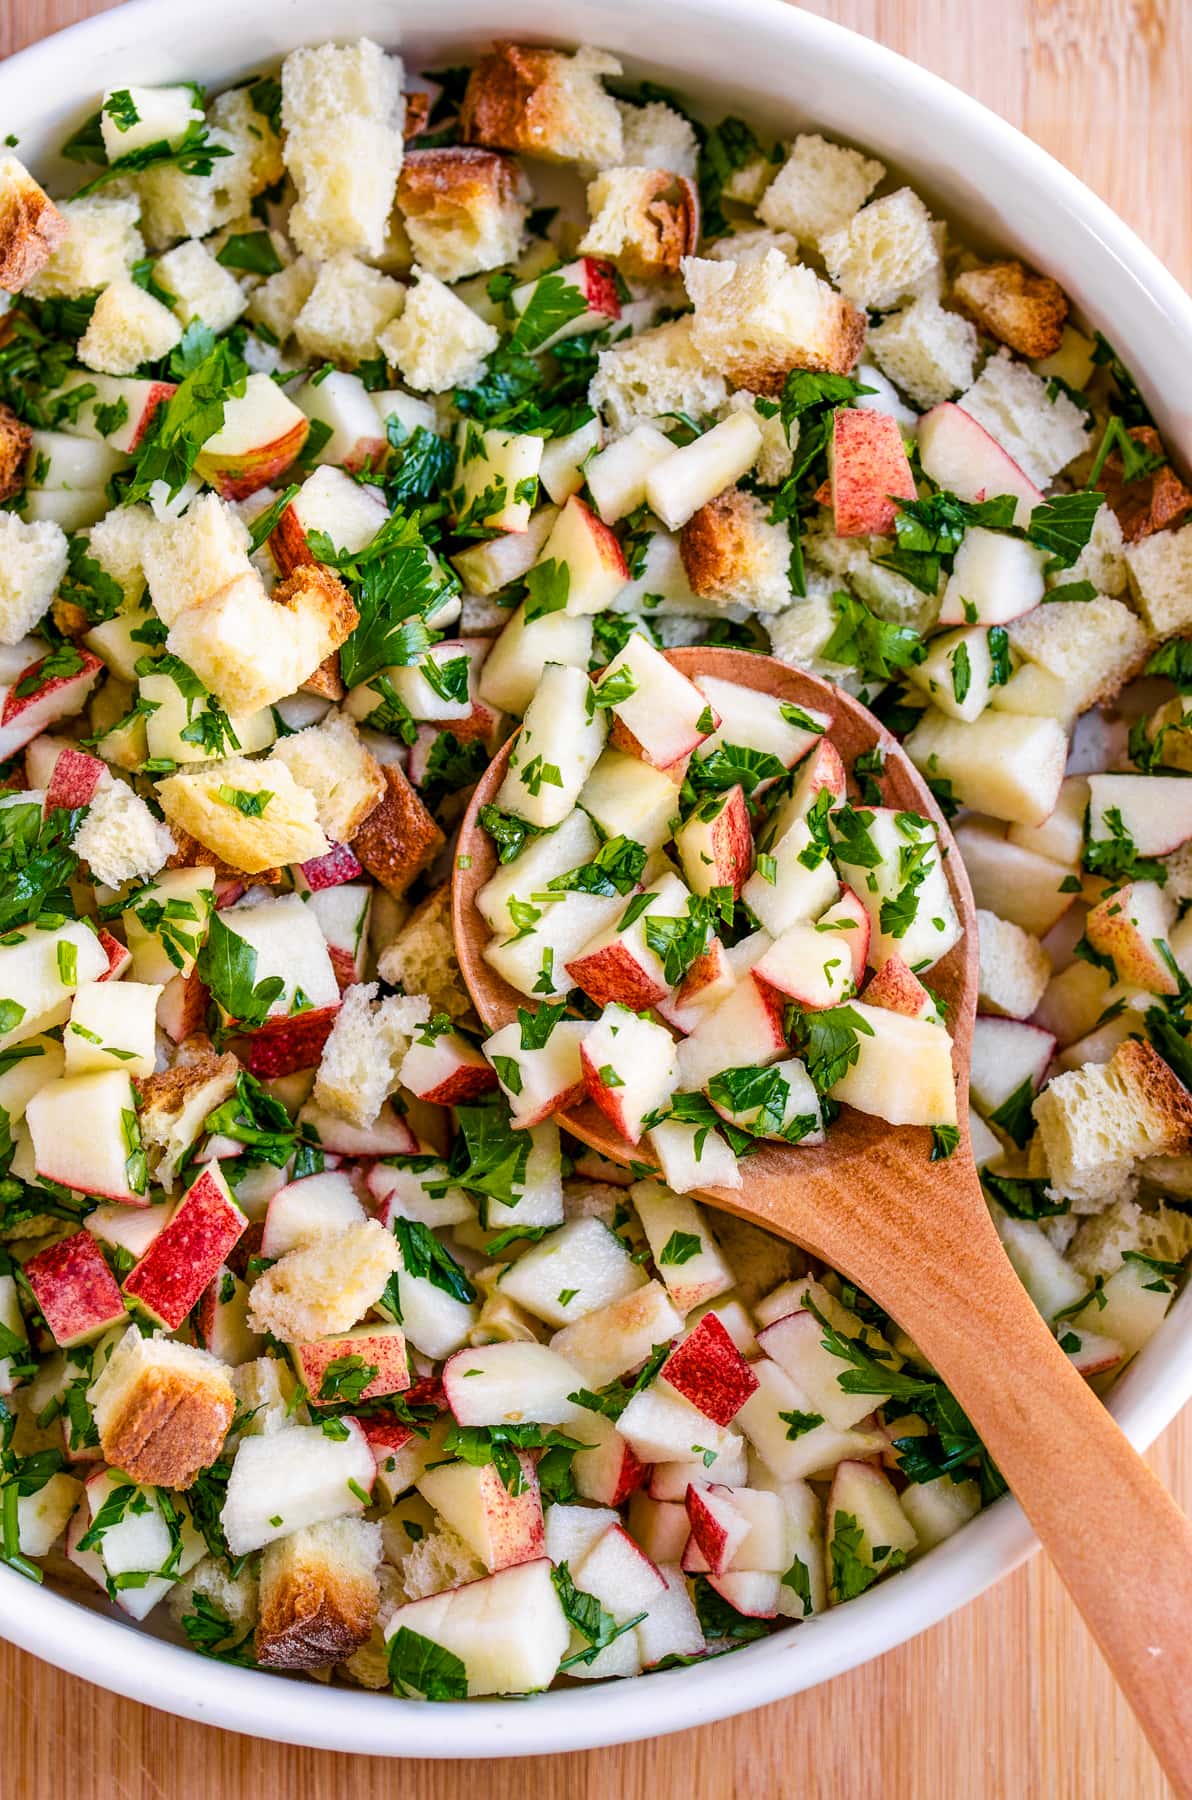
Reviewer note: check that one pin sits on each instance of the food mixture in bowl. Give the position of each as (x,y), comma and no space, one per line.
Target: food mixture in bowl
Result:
(348,422)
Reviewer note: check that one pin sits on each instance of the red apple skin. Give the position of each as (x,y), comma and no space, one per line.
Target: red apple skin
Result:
(74,780)
(824,769)
(182,1007)
(288,544)
(464,1085)
(185,1257)
(25,716)
(613,973)
(606,1100)
(284,1045)
(706,1529)
(385,1437)
(710,1371)
(557,1103)
(857,940)
(242,475)
(339,865)
(598,284)
(118,955)
(621,738)
(870,472)
(347,969)
(76,1291)
(732,843)
(159,395)
(387,1355)
(897,989)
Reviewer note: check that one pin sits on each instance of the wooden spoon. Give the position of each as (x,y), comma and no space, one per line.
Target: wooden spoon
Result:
(917,1236)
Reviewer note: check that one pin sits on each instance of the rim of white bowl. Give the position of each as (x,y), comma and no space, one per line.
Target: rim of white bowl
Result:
(1054,207)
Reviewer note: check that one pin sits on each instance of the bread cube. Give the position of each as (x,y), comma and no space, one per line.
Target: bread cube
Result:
(421,958)
(732,553)
(545,103)
(1041,432)
(1014,967)
(31,226)
(766,317)
(128,327)
(251,648)
(1096,1123)
(279,299)
(345,170)
(188,558)
(253,815)
(365,1051)
(928,352)
(464,210)
(641,219)
(162,1409)
(319,1594)
(1092,649)
(655,136)
(1025,311)
(331,763)
(202,288)
(399,838)
(818,189)
(658,372)
(326,1287)
(175,1104)
(323,83)
(1160,572)
(346,310)
(438,342)
(32,564)
(100,245)
(885,252)
(120,839)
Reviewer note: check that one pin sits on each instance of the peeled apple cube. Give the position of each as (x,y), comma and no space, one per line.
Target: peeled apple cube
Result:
(994,578)
(1005,764)
(957,673)
(678,485)
(560,740)
(903,1071)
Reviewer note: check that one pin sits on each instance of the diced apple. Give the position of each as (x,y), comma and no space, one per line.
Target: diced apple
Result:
(586,548)
(1131,925)
(617,476)
(617,1337)
(797,884)
(692,1157)
(188,1253)
(995,578)
(576,1270)
(1154,812)
(1131,1306)
(556,749)
(586,280)
(1015,883)
(40,971)
(502,1384)
(496,478)
(292,1478)
(629,1067)
(709,1370)
(708,981)
(73,781)
(914,919)
(445,1069)
(662,1427)
(715,844)
(508,1630)
(957,673)
(758,721)
(1002,764)
(37,698)
(822,769)
(75,1289)
(718,1527)
(869,471)
(686,1253)
(679,484)
(504,1528)
(381,1348)
(864,1515)
(86,1136)
(328,501)
(388,1135)
(903,1072)
(562,471)
(899,990)
(619,965)
(1007,1054)
(658,715)
(796,1344)
(343,403)
(607,1471)
(811,966)
(778,1102)
(306,1211)
(165,923)
(775,1420)
(261,435)
(221,1320)
(743,1031)
(960,456)
(141,399)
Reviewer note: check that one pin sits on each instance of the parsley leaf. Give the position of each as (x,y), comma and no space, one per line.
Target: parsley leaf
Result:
(417,1665)
(228,966)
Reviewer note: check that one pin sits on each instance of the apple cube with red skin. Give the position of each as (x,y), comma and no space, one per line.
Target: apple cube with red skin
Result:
(898,989)
(540,1081)
(586,279)
(715,844)
(349,513)
(959,455)
(710,1372)
(141,399)
(186,1256)
(663,717)
(869,471)
(74,780)
(309,1209)
(589,551)
(339,865)
(809,965)
(182,1008)
(388,1135)
(718,1527)
(618,964)
(822,769)
(343,912)
(36,700)
(294,1041)
(754,1594)
(847,923)
(379,1347)
(606,1471)
(744,1031)
(76,1291)
(502,1527)
(446,1070)
(262,433)
(630,1069)
(119,956)
(708,981)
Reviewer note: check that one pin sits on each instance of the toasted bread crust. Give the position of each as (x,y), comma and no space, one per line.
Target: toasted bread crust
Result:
(399,838)
(1020,309)
(655,217)
(1149,503)
(439,184)
(768,377)
(716,544)
(1168,1099)
(507,102)
(171,1426)
(168,1091)
(316,589)
(31,229)
(314,1615)
(326,680)
(15,439)
(190,853)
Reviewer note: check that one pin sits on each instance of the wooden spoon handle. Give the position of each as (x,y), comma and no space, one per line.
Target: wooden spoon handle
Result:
(1121,1545)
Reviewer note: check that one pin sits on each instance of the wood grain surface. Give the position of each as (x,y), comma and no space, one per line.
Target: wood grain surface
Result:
(1008,1699)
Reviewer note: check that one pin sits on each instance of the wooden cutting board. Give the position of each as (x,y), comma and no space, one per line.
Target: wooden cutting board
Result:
(1007,1700)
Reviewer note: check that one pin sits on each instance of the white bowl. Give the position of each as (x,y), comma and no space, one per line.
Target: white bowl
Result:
(787,69)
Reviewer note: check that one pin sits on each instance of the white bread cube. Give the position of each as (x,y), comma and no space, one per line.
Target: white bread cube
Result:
(117,542)
(545,103)
(31,226)
(346,310)
(322,83)
(1097,1122)
(346,172)
(203,803)
(279,299)
(439,1561)
(120,839)
(234,1597)
(1014,967)
(319,1594)
(365,1051)
(1043,434)
(202,288)
(928,352)
(32,564)
(162,1409)
(176,205)
(342,776)
(1092,649)
(638,220)
(1102,1241)
(256,161)
(731,552)
(464,210)
(1004,764)
(101,245)
(189,558)
(421,958)
(765,317)
(1102,561)
(818,189)
(655,136)
(174,1105)
(438,342)
(885,252)
(251,648)
(1160,572)
(326,1287)
(658,372)
(128,327)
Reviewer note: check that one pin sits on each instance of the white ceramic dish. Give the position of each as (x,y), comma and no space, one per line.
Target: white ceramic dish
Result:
(781,67)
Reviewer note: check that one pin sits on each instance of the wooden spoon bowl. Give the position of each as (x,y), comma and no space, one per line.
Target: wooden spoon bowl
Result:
(917,1236)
